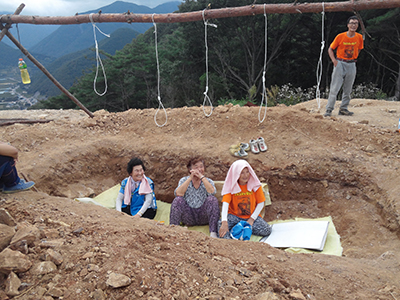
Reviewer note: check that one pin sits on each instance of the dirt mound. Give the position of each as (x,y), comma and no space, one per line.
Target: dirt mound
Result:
(344,167)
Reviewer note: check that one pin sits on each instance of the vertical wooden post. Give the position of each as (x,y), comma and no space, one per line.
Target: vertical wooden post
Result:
(5,29)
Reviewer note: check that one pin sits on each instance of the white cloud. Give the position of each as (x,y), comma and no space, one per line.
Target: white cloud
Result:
(64,7)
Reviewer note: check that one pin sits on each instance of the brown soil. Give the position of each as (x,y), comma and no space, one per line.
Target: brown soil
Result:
(344,167)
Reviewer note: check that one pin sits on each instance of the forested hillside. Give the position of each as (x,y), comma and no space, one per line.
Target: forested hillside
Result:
(69,51)
(71,38)
(70,67)
(236,59)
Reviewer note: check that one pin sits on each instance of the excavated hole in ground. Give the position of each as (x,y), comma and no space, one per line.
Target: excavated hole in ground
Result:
(361,222)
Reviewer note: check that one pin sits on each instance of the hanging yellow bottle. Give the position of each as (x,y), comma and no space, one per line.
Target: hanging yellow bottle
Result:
(24,72)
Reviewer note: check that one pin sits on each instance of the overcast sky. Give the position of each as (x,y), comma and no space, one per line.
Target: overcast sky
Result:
(64,7)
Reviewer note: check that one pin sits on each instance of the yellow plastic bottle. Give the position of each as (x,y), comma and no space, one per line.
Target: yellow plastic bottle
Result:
(24,72)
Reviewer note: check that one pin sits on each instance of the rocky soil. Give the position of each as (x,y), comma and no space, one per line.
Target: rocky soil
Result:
(53,247)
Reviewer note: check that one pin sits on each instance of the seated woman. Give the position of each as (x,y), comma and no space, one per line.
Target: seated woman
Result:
(136,196)
(195,203)
(9,180)
(242,200)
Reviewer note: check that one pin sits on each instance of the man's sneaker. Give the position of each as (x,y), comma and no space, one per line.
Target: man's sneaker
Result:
(328,113)
(254,146)
(345,112)
(21,186)
(261,144)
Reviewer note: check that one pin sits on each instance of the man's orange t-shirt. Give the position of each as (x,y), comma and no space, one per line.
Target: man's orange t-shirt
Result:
(347,48)
(244,203)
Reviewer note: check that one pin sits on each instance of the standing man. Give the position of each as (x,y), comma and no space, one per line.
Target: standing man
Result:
(347,45)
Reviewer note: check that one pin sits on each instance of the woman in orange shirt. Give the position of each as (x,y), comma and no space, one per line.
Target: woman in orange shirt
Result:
(243,199)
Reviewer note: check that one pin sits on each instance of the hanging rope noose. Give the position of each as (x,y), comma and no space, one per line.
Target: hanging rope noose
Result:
(206,98)
(160,104)
(319,65)
(19,38)
(264,91)
(98,59)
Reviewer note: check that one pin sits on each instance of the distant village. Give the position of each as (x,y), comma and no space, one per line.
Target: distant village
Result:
(14,94)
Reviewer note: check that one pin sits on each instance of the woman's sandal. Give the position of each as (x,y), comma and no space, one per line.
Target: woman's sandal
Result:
(238,152)
(245,146)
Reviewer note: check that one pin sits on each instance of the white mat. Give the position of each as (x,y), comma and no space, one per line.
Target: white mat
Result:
(299,234)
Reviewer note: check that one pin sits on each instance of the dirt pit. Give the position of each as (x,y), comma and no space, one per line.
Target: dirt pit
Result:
(343,167)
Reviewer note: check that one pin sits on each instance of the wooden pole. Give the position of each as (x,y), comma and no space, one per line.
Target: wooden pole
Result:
(4,30)
(228,12)
(6,122)
(44,70)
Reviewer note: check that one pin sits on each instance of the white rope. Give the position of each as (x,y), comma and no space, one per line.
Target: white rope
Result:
(264,91)
(160,104)
(206,98)
(319,66)
(98,59)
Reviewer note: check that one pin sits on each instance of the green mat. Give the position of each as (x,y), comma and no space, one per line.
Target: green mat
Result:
(332,244)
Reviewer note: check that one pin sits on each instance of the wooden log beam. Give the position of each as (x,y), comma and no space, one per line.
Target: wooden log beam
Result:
(6,122)
(5,29)
(44,70)
(228,12)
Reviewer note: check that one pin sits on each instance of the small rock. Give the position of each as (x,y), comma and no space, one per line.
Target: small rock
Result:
(56,292)
(232,289)
(69,266)
(40,291)
(13,261)
(78,231)
(84,272)
(21,246)
(101,285)
(28,233)
(43,267)
(387,254)
(88,255)
(54,256)
(118,280)
(12,284)
(6,218)
(139,293)
(51,233)
(266,296)
(3,295)
(51,244)
(369,149)
(297,295)
(98,295)
(6,235)
(93,268)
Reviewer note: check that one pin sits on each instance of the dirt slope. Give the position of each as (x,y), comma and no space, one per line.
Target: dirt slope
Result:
(345,167)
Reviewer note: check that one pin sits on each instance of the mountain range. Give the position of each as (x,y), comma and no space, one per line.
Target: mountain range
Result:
(65,50)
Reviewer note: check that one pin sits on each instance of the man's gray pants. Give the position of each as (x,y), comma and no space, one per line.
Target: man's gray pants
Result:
(344,75)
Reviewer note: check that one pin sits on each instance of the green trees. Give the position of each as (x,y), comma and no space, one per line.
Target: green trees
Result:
(236,59)
(383,50)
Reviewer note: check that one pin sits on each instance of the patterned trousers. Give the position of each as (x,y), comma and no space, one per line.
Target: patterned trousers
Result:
(207,214)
